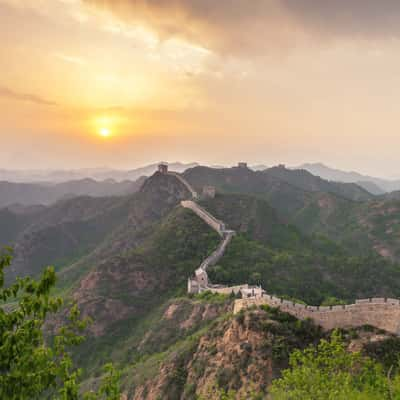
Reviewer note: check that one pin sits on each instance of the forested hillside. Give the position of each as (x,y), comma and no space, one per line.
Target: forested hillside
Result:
(316,206)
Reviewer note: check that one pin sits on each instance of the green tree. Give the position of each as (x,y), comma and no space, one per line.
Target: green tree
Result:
(329,372)
(32,367)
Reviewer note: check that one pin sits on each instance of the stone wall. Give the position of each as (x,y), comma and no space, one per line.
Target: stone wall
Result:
(200,281)
(216,224)
(228,289)
(185,183)
(218,253)
(246,290)
(379,312)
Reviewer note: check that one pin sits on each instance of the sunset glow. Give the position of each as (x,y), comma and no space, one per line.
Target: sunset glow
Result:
(270,82)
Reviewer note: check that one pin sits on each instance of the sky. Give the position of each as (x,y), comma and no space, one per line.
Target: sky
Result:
(122,83)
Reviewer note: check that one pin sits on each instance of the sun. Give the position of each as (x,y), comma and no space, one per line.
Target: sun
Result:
(104,132)
(105,126)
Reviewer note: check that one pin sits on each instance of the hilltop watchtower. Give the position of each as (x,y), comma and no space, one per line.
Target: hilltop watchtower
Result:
(163,168)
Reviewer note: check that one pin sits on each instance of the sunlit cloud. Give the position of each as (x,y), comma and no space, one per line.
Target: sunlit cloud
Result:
(255,28)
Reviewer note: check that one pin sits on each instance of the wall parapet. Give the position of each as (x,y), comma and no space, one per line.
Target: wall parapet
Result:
(382,313)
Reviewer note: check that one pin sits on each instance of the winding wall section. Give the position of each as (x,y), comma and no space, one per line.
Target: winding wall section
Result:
(219,252)
(209,219)
(200,281)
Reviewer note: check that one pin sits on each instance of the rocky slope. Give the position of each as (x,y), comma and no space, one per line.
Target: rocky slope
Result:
(242,353)
(130,281)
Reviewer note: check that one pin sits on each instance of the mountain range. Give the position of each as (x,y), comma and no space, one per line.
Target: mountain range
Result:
(343,212)
(99,174)
(125,261)
(372,184)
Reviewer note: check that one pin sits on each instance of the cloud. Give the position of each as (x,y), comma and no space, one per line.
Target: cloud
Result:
(11,94)
(222,26)
(350,18)
(260,25)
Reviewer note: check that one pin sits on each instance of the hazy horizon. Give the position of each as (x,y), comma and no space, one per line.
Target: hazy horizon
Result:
(135,167)
(126,83)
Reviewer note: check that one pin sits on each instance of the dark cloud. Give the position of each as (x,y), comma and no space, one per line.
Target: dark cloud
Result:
(11,94)
(222,25)
(259,25)
(361,18)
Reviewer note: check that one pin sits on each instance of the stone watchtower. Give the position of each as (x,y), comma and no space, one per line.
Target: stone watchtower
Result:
(209,192)
(163,168)
(201,277)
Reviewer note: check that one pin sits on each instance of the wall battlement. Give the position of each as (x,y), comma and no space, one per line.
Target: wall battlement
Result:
(382,313)
(215,223)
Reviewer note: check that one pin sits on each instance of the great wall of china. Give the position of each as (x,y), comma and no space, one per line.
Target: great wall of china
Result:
(216,224)
(382,313)
(185,183)
(200,282)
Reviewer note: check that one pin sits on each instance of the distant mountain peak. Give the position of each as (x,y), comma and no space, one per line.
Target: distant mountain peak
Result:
(378,186)
(99,174)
